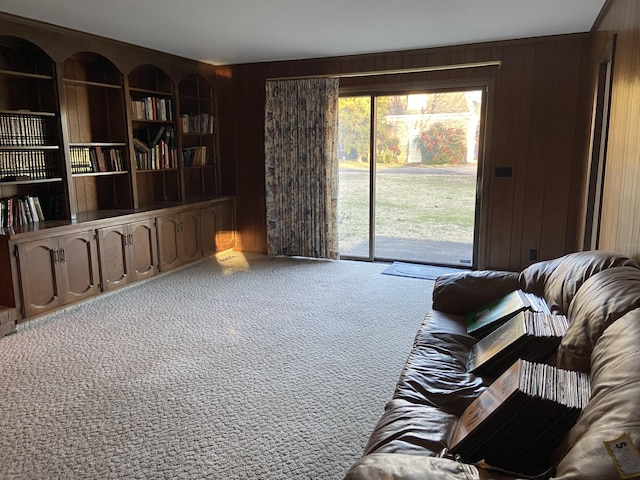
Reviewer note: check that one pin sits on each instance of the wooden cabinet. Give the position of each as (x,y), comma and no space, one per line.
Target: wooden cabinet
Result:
(96,162)
(78,136)
(127,253)
(178,238)
(218,229)
(56,271)
(79,259)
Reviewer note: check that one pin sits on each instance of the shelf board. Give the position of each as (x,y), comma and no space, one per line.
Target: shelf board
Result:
(147,120)
(157,170)
(29,147)
(194,167)
(100,174)
(28,112)
(199,99)
(98,144)
(29,182)
(70,81)
(150,92)
(25,74)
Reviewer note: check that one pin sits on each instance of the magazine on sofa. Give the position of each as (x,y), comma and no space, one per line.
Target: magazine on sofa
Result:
(532,336)
(488,318)
(521,418)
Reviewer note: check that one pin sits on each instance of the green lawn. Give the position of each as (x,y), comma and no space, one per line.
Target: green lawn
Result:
(423,206)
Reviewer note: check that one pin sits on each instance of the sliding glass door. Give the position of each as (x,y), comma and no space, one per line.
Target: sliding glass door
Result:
(408,174)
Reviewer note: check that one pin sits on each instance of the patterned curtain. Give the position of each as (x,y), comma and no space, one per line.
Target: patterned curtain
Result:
(301,124)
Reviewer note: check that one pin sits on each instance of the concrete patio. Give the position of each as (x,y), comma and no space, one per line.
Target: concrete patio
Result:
(416,251)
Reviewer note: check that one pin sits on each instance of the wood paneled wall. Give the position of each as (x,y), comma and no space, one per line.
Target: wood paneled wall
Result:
(620,227)
(538,125)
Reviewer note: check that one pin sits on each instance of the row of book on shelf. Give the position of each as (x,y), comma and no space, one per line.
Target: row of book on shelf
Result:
(152,108)
(27,164)
(197,123)
(96,159)
(155,149)
(157,153)
(519,421)
(26,209)
(23,130)
(194,156)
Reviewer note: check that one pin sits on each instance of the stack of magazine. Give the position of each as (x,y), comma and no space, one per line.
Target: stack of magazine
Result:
(529,335)
(517,423)
(490,317)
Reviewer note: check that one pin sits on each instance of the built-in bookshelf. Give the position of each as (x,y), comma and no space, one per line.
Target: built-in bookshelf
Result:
(199,156)
(90,162)
(31,160)
(97,128)
(152,107)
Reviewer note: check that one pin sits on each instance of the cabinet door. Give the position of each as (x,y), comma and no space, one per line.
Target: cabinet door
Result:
(225,226)
(38,266)
(142,249)
(78,259)
(168,251)
(189,238)
(114,268)
(208,221)
(217,224)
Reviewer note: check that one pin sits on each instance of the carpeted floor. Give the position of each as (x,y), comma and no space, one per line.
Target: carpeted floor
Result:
(232,368)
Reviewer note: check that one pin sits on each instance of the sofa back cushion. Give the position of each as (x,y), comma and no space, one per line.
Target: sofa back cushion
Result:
(465,292)
(612,413)
(557,281)
(602,300)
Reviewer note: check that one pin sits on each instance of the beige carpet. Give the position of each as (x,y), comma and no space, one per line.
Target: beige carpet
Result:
(232,368)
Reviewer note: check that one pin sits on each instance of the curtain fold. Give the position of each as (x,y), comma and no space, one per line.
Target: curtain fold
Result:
(301,167)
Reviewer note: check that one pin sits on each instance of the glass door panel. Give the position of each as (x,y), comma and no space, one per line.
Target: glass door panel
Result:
(354,152)
(416,200)
(426,170)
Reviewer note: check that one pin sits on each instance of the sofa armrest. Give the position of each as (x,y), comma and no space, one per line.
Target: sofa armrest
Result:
(465,292)
(395,466)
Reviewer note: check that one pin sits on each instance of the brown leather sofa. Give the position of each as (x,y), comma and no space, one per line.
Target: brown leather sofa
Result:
(600,294)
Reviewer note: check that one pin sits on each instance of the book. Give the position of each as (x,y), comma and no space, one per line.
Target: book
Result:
(194,156)
(520,419)
(36,202)
(488,318)
(158,136)
(532,336)
(102,165)
(20,210)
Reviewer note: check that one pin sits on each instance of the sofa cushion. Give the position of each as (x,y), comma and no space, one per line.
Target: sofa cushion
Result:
(613,409)
(558,280)
(602,300)
(465,292)
(410,428)
(381,466)
(435,373)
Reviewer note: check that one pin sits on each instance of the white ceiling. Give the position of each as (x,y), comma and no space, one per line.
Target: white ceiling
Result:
(242,31)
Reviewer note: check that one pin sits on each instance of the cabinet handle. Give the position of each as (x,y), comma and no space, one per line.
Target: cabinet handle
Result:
(130,239)
(54,254)
(62,258)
